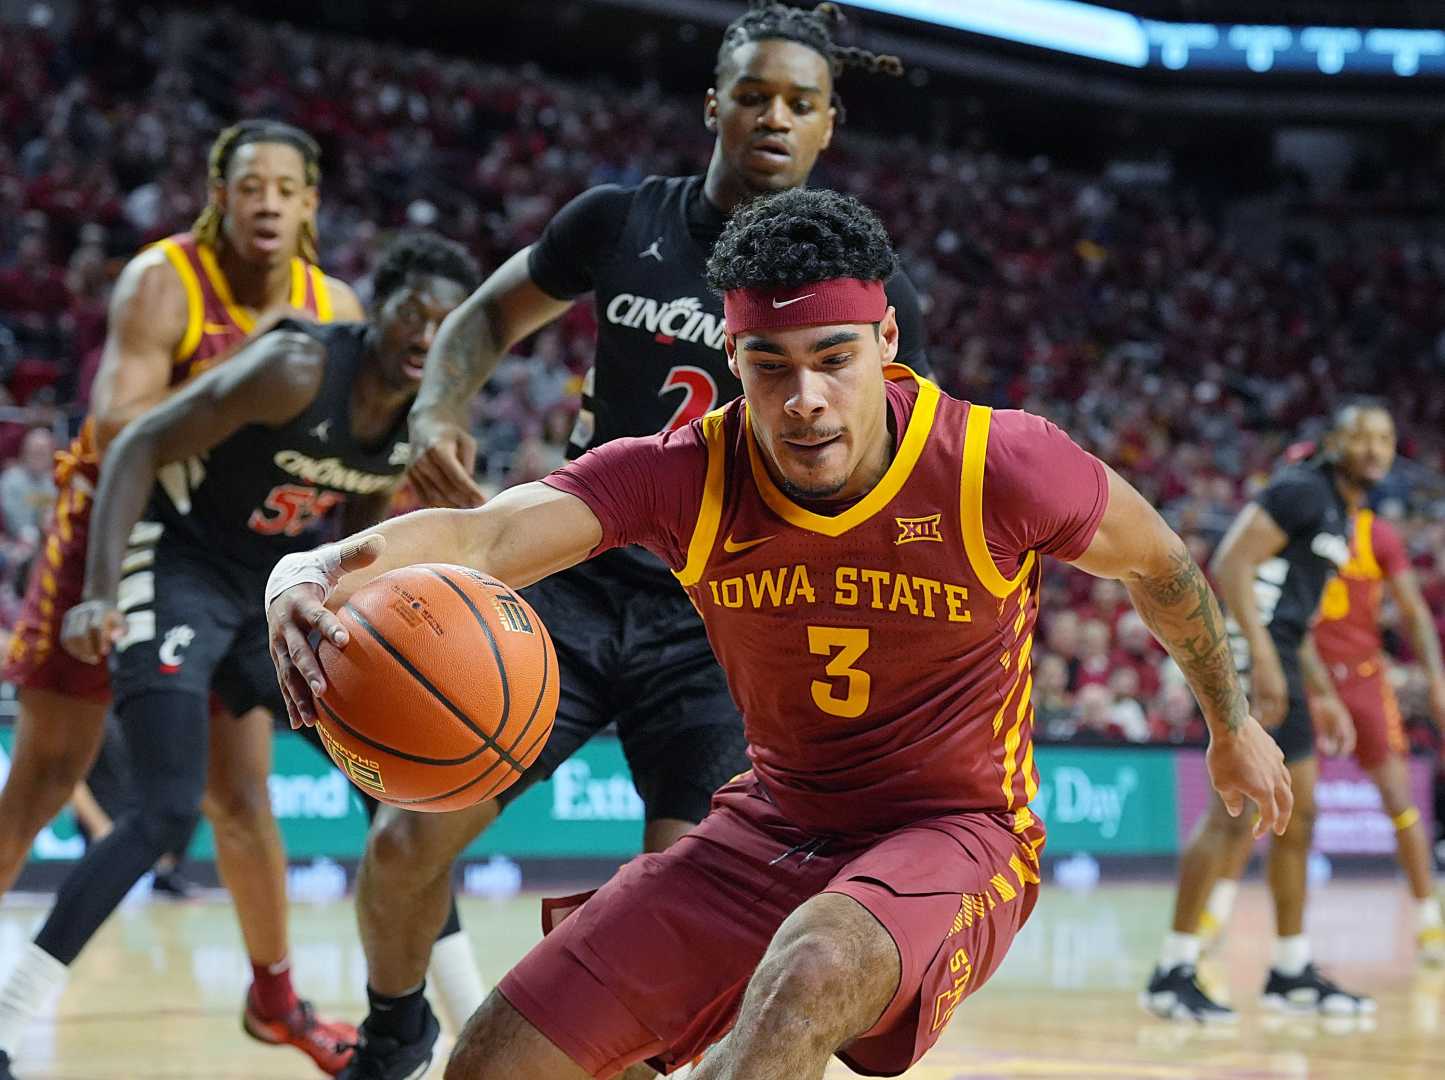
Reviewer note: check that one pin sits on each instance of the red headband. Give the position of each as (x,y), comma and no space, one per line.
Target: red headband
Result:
(837,300)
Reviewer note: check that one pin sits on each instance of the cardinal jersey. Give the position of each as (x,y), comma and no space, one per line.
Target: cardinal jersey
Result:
(1347,633)
(880,655)
(267,490)
(215,326)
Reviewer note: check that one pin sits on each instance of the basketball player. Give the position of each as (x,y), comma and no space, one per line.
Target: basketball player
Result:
(179,307)
(1272,566)
(305,423)
(1347,637)
(866,554)
(630,645)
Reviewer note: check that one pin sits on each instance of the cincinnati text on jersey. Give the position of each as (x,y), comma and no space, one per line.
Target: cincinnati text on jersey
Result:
(331,472)
(683,319)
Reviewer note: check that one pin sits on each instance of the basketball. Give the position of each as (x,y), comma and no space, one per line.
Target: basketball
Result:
(444,694)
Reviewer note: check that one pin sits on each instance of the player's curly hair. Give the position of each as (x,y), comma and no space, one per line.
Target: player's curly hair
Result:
(767,20)
(422,253)
(800,237)
(207,227)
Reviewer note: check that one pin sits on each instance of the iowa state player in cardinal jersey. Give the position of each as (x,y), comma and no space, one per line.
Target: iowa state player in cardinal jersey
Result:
(180,307)
(630,645)
(865,552)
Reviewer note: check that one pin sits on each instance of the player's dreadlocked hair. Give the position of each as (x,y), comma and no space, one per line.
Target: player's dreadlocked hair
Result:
(422,253)
(207,229)
(800,237)
(770,20)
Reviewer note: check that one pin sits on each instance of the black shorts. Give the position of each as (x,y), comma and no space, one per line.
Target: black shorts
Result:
(1295,734)
(192,625)
(638,656)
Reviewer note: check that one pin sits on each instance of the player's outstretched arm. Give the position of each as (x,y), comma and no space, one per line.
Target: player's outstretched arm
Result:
(1135,545)
(269,382)
(471,341)
(1253,538)
(521,536)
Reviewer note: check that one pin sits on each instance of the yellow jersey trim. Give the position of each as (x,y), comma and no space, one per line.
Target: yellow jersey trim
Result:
(322,294)
(298,284)
(975,545)
(243,321)
(910,449)
(709,514)
(195,299)
(1365,544)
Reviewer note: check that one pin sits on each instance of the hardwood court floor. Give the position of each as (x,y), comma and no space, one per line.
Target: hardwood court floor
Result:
(157,995)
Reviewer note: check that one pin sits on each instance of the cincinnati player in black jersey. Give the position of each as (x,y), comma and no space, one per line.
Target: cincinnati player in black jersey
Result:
(1272,567)
(301,432)
(631,648)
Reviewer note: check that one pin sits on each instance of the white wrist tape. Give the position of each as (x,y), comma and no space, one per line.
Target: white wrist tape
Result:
(320,567)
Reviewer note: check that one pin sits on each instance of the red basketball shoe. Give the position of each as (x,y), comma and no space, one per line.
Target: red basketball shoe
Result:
(329,1043)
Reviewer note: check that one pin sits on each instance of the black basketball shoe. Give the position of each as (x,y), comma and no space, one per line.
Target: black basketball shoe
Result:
(1312,992)
(380,1057)
(1176,995)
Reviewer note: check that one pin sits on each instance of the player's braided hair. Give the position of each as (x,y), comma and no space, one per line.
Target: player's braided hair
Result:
(207,228)
(423,253)
(800,237)
(770,20)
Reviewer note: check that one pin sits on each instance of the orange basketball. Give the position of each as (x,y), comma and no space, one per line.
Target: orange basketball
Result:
(446,691)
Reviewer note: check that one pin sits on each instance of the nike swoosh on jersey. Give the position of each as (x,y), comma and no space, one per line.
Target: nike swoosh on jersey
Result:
(733,546)
(784,303)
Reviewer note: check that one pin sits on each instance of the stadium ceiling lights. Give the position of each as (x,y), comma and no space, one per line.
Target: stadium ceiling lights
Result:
(1117,37)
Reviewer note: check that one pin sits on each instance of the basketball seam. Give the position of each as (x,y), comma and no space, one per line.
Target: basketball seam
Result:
(417,758)
(411,669)
(496,655)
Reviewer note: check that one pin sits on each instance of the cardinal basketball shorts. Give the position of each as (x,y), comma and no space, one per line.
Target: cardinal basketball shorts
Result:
(192,625)
(653,966)
(1379,728)
(638,655)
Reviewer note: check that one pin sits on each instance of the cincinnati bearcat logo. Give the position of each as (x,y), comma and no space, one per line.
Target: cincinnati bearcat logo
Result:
(911,529)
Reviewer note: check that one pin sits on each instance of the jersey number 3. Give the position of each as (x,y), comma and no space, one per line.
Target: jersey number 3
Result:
(292,508)
(699,397)
(843,646)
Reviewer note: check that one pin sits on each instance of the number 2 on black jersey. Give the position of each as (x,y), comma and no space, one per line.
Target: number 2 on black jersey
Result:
(699,394)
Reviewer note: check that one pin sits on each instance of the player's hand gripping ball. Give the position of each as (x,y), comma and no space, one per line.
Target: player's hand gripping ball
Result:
(445,692)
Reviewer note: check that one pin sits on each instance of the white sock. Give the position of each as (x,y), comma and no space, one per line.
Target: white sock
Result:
(1427,911)
(1291,954)
(37,978)
(455,980)
(1179,949)
(1221,900)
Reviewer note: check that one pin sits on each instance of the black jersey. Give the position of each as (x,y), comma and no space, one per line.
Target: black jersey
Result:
(1304,502)
(642,252)
(267,491)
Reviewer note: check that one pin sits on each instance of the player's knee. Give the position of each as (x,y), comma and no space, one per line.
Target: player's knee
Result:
(1301,829)
(239,806)
(44,780)
(399,843)
(168,828)
(857,977)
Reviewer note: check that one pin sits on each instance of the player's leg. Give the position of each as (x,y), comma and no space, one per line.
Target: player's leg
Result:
(1295,984)
(56,740)
(1174,990)
(250,855)
(827,977)
(167,732)
(1380,749)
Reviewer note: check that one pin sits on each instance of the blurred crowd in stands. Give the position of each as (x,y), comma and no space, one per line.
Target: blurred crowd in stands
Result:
(1118,309)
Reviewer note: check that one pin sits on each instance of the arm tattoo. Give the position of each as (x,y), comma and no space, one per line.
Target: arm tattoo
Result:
(464,356)
(1181,610)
